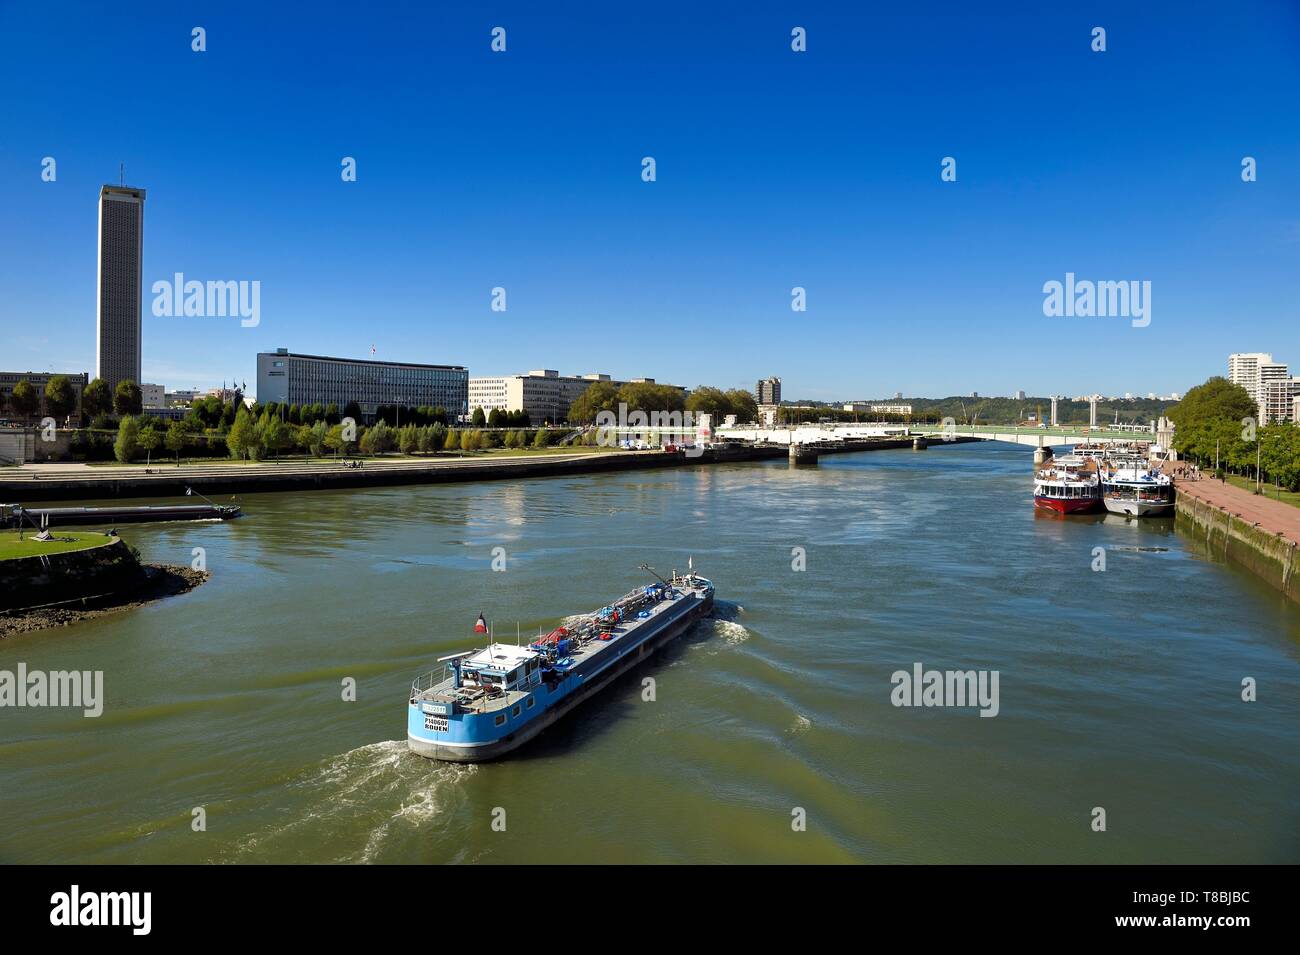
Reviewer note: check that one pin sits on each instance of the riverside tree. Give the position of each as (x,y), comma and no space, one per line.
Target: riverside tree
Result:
(335,441)
(60,398)
(95,399)
(128,434)
(126,398)
(149,439)
(24,400)
(1210,417)
(275,435)
(175,439)
(378,438)
(240,440)
(319,430)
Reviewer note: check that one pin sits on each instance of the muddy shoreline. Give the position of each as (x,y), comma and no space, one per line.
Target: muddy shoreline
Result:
(163,580)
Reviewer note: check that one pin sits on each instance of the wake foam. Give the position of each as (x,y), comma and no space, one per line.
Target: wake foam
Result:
(382,786)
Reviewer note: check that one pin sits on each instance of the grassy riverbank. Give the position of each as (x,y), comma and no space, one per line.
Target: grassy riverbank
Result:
(1268,490)
(11,547)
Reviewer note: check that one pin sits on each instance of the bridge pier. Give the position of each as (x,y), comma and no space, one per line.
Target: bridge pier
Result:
(919,443)
(803,453)
(1042,456)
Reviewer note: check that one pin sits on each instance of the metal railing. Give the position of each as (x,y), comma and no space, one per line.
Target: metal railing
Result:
(427,681)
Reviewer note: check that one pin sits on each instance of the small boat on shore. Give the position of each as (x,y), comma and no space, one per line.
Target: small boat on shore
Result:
(483,703)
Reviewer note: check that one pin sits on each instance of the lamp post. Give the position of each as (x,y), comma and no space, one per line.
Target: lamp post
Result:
(1258,444)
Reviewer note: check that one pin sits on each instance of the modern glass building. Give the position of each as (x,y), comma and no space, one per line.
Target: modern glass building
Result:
(119,285)
(287,377)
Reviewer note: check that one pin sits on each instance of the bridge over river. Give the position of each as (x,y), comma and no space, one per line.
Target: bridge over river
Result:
(1029,437)
(1035,437)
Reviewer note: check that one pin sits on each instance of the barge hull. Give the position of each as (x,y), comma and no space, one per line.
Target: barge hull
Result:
(497,748)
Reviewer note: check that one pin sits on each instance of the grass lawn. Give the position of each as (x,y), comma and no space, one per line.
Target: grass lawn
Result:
(1268,490)
(11,546)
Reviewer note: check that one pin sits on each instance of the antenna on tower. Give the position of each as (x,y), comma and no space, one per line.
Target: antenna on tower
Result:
(121,173)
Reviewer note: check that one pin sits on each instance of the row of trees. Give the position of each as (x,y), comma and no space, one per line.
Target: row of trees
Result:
(498,418)
(133,436)
(256,437)
(718,403)
(605,396)
(1216,422)
(212,412)
(59,399)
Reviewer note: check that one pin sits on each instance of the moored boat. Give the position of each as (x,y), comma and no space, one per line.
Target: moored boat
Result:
(1137,491)
(1069,485)
(96,516)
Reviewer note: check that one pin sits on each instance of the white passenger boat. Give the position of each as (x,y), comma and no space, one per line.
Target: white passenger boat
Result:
(1137,491)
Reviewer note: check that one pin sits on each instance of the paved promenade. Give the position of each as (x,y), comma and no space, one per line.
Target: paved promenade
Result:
(162,470)
(1271,516)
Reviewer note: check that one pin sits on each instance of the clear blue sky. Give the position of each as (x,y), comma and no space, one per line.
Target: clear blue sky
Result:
(775,169)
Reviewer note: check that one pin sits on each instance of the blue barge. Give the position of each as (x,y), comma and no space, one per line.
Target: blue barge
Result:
(484,703)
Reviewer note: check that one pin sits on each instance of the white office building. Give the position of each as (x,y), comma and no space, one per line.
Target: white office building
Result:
(152,396)
(1277,403)
(1266,381)
(543,393)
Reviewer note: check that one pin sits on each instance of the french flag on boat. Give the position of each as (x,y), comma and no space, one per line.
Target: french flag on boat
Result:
(480,625)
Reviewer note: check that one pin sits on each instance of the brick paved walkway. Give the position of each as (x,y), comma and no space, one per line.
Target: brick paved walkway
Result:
(1271,515)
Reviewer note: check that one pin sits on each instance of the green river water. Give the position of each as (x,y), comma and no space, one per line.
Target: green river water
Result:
(1118,689)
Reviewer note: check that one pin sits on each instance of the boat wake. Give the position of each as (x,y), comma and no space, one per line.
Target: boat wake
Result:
(360,804)
(731,633)
(800,726)
(726,623)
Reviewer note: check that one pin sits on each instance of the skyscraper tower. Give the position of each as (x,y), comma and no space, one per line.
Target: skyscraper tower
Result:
(119,285)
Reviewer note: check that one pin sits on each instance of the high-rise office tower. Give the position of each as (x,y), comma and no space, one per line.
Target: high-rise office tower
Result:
(119,284)
(768,391)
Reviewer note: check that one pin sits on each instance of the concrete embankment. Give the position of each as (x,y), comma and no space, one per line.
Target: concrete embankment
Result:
(108,482)
(1242,528)
(94,572)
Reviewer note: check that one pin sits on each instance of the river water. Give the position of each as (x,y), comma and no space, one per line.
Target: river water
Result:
(1118,689)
